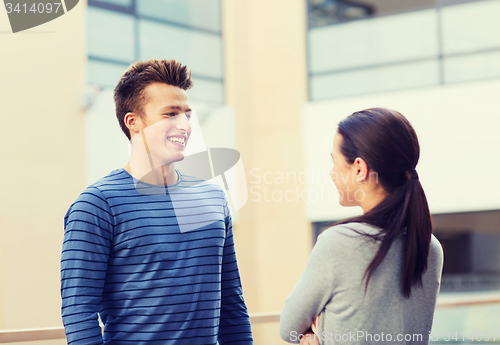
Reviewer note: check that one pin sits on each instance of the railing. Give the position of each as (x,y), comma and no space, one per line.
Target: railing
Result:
(34,334)
(52,333)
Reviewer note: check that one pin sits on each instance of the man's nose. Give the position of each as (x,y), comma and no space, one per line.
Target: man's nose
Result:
(183,122)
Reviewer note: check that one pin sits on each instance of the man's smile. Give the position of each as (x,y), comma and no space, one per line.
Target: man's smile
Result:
(178,139)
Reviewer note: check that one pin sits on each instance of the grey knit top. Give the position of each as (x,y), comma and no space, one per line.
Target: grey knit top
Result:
(331,286)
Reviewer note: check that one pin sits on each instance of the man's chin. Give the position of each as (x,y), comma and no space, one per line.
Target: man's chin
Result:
(177,158)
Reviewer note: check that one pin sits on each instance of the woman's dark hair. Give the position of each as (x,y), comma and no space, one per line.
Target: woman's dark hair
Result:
(388,144)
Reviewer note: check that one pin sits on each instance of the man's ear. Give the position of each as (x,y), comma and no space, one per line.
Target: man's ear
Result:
(361,170)
(133,123)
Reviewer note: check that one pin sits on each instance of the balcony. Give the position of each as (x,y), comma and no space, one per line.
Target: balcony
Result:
(443,45)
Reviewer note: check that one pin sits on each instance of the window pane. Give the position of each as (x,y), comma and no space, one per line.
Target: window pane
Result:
(105,74)
(204,14)
(110,34)
(375,80)
(201,52)
(123,3)
(471,26)
(374,41)
(472,67)
(207,91)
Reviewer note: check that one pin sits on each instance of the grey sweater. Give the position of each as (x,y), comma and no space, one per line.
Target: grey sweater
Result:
(331,285)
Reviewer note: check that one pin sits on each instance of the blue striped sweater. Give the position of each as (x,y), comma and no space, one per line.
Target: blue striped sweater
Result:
(156,263)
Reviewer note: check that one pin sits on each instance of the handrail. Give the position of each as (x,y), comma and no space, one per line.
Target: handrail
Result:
(461,302)
(32,334)
(52,333)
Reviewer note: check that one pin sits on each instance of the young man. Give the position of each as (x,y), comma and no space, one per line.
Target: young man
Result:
(148,249)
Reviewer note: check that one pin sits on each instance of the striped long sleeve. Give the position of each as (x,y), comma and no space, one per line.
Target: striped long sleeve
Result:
(155,263)
(235,324)
(87,240)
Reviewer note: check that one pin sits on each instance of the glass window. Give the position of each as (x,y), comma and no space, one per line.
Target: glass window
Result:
(472,67)
(374,80)
(104,74)
(204,14)
(472,26)
(328,12)
(461,37)
(206,91)
(123,3)
(189,31)
(389,39)
(110,35)
(201,52)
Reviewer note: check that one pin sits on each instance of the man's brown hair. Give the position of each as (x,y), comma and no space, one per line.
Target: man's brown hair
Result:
(129,92)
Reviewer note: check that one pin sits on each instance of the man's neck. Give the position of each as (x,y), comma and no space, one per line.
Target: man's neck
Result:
(163,175)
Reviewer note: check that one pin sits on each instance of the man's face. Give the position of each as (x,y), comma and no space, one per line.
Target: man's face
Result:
(166,124)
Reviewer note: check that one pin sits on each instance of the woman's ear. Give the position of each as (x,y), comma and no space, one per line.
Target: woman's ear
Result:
(360,170)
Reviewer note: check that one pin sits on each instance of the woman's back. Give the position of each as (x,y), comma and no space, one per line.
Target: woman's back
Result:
(349,316)
(373,278)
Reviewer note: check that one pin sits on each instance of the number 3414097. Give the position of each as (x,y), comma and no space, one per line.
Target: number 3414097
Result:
(473,336)
(35,8)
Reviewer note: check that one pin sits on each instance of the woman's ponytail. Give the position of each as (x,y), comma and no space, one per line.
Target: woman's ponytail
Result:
(418,235)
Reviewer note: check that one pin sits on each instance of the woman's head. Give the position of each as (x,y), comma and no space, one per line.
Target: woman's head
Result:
(378,149)
(385,140)
(356,182)
(373,152)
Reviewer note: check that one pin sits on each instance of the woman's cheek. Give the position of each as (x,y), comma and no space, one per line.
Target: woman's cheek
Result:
(333,175)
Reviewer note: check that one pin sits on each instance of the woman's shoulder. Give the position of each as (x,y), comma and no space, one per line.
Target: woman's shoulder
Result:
(351,230)
(435,244)
(343,236)
(436,251)
(345,246)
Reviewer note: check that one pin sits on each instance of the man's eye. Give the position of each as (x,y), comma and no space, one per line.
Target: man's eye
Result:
(169,114)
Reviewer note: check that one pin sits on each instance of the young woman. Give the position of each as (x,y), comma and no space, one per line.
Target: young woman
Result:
(372,278)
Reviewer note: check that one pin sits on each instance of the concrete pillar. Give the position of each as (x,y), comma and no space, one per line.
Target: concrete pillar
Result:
(42,164)
(266,85)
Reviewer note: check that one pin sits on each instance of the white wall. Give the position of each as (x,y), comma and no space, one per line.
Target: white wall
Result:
(457,126)
(42,72)
(106,145)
